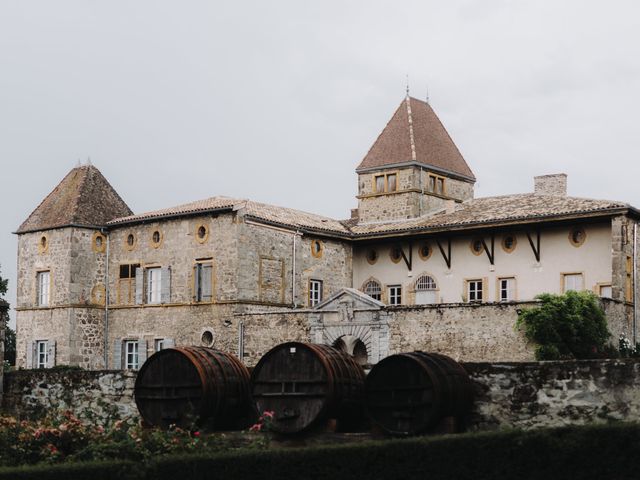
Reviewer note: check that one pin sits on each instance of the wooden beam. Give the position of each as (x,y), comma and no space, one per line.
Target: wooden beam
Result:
(407,261)
(535,247)
(490,254)
(447,257)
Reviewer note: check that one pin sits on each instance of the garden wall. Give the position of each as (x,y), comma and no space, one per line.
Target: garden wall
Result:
(522,395)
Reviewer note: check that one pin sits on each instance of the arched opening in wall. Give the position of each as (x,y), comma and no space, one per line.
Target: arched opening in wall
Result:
(426,290)
(354,347)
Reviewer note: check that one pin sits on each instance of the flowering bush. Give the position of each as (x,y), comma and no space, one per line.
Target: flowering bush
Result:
(264,422)
(64,437)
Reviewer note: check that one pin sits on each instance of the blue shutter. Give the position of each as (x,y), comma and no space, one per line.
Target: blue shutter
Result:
(117,355)
(142,352)
(139,286)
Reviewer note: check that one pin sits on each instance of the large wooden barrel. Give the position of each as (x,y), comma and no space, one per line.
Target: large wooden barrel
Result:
(306,384)
(410,393)
(193,386)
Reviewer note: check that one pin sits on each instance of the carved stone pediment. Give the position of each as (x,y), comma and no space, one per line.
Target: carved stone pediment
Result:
(349,300)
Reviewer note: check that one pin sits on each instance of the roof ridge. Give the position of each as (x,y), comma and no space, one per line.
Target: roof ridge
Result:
(411,136)
(81,188)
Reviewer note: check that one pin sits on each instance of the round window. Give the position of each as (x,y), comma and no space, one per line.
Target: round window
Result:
(43,243)
(207,338)
(425,251)
(202,232)
(372,256)
(131,240)
(99,242)
(509,243)
(476,246)
(577,236)
(156,239)
(396,254)
(316,248)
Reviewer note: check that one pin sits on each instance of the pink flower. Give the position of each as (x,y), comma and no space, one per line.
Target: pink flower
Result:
(268,413)
(256,428)
(196,434)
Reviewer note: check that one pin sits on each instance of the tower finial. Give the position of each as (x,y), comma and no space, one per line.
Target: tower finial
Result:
(407,84)
(427,94)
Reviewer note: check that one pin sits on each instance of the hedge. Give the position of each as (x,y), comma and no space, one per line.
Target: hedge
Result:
(593,452)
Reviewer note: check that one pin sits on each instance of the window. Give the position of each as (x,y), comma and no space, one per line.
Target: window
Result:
(42,354)
(156,239)
(43,244)
(572,281)
(130,242)
(436,184)
(509,243)
(605,291)
(315,292)
(158,344)
(425,251)
(475,290)
(127,283)
(372,256)
(373,289)
(202,282)
(507,289)
(426,290)
(317,247)
(202,233)
(395,294)
(396,254)
(386,183)
(44,287)
(476,246)
(154,285)
(131,355)
(577,236)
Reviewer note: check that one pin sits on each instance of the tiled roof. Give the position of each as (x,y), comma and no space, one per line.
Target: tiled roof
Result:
(83,197)
(481,211)
(208,204)
(490,210)
(260,211)
(415,134)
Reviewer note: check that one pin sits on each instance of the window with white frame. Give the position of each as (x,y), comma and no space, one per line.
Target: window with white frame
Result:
(42,354)
(44,287)
(154,285)
(475,290)
(573,281)
(158,344)
(426,290)
(507,289)
(395,294)
(373,289)
(315,292)
(202,276)
(131,355)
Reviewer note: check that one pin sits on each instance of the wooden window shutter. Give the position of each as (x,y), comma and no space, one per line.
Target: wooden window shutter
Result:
(206,293)
(117,355)
(165,285)
(142,352)
(139,287)
(51,353)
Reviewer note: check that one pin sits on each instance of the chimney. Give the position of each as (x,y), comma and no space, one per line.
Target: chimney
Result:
(354,213)
(554,184)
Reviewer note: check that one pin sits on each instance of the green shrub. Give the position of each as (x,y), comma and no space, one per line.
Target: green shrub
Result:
(566,326)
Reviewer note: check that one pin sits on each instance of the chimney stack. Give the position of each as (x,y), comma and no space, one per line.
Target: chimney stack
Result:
(555,184)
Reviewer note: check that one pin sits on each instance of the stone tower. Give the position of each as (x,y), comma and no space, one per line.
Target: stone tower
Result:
(61,273)
(412,169)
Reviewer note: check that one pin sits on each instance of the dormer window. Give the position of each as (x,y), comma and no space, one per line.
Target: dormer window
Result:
(386,183)
(436,184)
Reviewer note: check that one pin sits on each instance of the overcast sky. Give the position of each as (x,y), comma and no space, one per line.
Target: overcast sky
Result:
(279,101)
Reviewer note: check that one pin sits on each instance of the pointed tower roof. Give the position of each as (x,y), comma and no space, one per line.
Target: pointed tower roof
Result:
(83,198)
(415,135)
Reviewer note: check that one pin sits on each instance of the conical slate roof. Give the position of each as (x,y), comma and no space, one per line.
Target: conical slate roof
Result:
(83,198)
(415,134)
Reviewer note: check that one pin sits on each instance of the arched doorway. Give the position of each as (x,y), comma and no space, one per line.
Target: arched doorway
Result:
(354,347)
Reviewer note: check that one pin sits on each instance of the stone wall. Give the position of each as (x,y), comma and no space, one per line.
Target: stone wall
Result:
(550,394)
(507,395)
(95,395)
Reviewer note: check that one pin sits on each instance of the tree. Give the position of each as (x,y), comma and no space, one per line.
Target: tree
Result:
(9,333)
(566,326)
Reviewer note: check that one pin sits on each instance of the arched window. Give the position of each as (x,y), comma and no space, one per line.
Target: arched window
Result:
(373,289)
(426,290)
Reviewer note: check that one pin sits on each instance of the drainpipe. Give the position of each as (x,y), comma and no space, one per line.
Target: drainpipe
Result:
(635,279)
(106,304)
(422,189)
(241,340)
